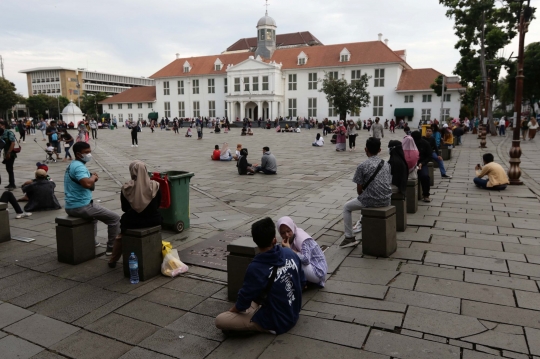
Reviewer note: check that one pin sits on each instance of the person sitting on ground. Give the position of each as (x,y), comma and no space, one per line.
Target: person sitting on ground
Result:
(319,141)
(244,167)
(424,152)
(140,199)
(225,153)
(188,133)
(373,185)
(217,129)
(398,167)
(310,254)
(244,131)
(271,297)
(236,155)
(40,193)
(9,197)
(78,187)
(250,132)
(411,156)
(497,177)
(268,163)
(216,154)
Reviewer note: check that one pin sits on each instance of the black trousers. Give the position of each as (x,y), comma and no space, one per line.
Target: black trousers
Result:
(94,133)
(352,141)
(23,135)
(134,140)
(9,169)
(8,197)
(423,177)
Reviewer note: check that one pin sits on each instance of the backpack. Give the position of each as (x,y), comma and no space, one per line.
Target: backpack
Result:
(54,137)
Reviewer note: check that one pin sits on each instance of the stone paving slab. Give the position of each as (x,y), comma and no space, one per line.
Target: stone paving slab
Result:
(178,344)
(41,330)
(500,281)
(124,329)
(457,260)
(350,335)
(15,348)
(424,300)
(446,325)
(86,345)
(149,312)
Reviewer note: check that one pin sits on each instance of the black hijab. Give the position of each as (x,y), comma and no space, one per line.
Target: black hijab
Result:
(318,137)
(398,166)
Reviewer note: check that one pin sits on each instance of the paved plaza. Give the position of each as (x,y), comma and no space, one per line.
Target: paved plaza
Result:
(463,283)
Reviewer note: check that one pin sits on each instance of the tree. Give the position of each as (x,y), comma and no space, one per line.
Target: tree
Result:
(90,104)
(437,85)
(345,97)
(55,104)
(8,97)
(38,105)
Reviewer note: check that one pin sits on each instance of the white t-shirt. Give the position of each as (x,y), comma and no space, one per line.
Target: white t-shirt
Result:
(50,149)
(226,155)
(320,142)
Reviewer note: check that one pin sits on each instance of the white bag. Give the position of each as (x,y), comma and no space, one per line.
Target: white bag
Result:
(172,265)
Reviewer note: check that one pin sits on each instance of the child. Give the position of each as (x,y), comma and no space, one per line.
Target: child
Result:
(188,133)
(216,154)
(237,154)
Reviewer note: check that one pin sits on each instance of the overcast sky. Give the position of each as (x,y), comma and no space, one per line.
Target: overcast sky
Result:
(138,37)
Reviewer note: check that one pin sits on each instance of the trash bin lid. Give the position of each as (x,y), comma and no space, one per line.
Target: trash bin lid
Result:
(178,174)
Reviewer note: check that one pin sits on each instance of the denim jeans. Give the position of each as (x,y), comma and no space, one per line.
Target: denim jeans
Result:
(502,131)
(264,170)
(482,183)
(439,162)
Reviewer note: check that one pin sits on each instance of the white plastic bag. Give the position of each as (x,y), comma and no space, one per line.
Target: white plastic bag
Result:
(172,265)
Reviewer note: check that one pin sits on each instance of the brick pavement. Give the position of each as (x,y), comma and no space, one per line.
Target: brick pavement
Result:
(463,283)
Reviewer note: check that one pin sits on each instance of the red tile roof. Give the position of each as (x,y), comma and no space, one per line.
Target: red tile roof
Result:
(362,53)
(134,94)
(292,39)
(420,79)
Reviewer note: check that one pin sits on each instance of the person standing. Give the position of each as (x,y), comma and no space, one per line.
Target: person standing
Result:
(115,122)
(68,143)
(22,131)
(378,129)
(533,127)
(134,132)
(54,138)
(502,127)
(93,127)
(351,133)
(341,142)
(43,129)
(9,156)
(393,126)
(198,126)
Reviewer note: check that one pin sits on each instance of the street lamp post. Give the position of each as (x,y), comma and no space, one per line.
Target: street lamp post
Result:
(514,173)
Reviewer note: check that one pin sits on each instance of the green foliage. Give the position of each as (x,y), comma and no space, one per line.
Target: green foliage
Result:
(8,97)
(437,85)
(345,97)
(90,104)
(38,104)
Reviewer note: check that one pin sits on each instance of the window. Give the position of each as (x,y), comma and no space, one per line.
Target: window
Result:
(186,68)
(120,117)
(57,79)
(408,98)
(150,105)
(255,83)
(119,106)
(265,83)
(344,58)
(226,88)
(196,109)
(261,34)
(211,86)
(426,114)
(301,61)
(447,97)
(110,107)
(445,114)
(379,78)
(166,90)
(426,98)
(333,75)
(355,76)
(195,87)
(167,109)
(212,108)
(130,116)
(181,87)
(292,107)
(355,112)
(217,67)
(331,109)
(292,82)
(130,106)
(312,81)
(140,117)
(139,105)
(35,92)
(246,83)
(269,34)
(237,84)
(377,105)
(312,107)
(181,109)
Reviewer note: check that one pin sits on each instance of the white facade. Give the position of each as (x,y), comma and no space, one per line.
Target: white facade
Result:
(72,114)
(129,110)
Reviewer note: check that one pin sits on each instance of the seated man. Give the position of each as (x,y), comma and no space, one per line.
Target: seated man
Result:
(497,178)
(373,185)
(268,163)
(271,296)
(40,193)
(78,187)
(435,152)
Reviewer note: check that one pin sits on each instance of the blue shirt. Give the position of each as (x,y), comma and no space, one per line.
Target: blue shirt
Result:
(76,195)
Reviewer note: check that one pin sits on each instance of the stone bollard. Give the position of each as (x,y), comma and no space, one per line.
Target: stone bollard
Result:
(146,244)
(5,232)
(412,195)
(379,231)
(431,177)
(446,153)
(241,253)
(75,242)
(400,202)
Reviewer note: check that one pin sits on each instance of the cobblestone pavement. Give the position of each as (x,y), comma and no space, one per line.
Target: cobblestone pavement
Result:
(462,284)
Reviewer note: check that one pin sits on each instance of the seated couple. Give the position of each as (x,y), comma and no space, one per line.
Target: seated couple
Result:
(319,141)
(246,132)
(222,155)
(268,163)
(497,177)
(271,297)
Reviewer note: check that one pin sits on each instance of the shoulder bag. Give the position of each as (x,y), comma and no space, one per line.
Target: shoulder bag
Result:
(381,164)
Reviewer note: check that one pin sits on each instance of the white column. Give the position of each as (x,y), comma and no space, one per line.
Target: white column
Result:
(259,111)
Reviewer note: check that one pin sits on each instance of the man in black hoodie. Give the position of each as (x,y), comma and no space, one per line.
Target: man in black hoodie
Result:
(425,151)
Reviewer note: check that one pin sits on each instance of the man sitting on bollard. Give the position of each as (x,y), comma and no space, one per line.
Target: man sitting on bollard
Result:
(497,178)
(373,185)
(435,152)
(271,297)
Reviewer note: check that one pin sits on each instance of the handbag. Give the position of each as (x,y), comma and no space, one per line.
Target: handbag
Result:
(17,149)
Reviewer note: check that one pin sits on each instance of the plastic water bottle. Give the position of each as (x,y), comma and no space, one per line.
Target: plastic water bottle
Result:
(134,268)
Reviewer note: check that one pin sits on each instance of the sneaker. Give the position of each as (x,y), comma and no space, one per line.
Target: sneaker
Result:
(446,176)
(10,188)
(357,229)
(22,215)
(348,242)
(108,252)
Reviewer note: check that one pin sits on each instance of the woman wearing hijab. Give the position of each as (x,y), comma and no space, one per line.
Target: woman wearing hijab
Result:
(225,153)
(319,141)
(341,142)
(309,252)
(424,152)
(351,133)
(244,167)
(411,155)
(398,167)
(140,199)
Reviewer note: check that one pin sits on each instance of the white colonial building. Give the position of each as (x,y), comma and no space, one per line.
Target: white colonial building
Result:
(281,75)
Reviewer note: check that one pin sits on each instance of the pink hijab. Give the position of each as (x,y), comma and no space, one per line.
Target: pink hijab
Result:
(411,152)
(299,234)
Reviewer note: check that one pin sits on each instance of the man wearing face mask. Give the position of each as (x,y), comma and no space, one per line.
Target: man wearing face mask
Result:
(78,185)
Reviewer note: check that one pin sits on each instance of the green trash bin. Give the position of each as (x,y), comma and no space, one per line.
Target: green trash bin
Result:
(111,127)
(176,217)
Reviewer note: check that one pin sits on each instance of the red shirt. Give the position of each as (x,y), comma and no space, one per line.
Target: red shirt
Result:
(216,154)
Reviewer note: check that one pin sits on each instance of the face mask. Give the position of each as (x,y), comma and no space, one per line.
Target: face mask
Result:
(86,158)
